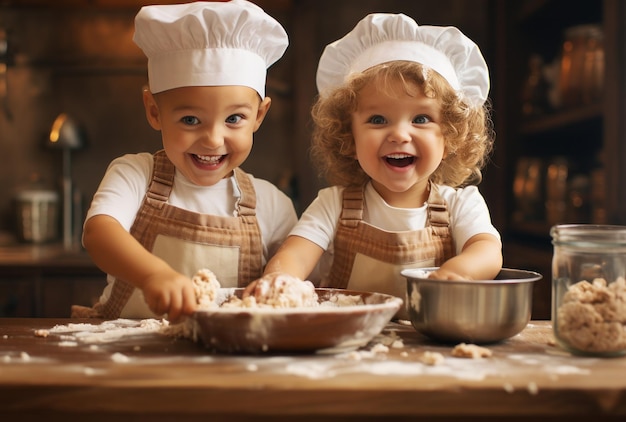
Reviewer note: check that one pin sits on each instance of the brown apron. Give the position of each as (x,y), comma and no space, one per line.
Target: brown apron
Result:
(367,258)
(231,247)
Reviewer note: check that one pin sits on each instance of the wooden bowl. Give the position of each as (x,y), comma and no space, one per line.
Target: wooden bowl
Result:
(325,329)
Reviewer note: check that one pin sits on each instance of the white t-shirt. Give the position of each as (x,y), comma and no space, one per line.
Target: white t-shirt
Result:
(124,185)
(468,211)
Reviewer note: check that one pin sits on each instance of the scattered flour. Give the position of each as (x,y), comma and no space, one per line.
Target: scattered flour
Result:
(120,358)
(532,388)
(380,348)
(42,333)
(108,331)
(471,351)
(374,359)
(432,358)
(373,364)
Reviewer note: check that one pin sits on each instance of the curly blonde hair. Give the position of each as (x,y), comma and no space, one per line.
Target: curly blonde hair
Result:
(468,131)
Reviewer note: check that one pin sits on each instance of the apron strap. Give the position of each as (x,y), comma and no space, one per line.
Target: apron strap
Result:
(438,214)
(352,212)
(162,180)
(246,205)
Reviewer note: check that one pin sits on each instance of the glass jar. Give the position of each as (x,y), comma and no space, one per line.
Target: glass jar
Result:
(582,65)
(589,288)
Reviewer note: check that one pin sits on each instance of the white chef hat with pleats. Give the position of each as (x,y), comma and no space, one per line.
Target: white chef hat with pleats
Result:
(383,37)
(209,44)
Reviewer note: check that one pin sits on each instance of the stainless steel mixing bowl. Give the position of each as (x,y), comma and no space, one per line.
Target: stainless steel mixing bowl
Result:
(476,311)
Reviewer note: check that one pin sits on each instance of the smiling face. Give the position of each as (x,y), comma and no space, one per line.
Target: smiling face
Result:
(398,139)
(207,131)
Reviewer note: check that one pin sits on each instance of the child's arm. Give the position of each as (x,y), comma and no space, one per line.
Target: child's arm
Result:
(297,256)
(481,259)
(117,252)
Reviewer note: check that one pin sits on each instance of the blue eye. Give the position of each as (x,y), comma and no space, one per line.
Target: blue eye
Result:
(421,119)
(233,119)
(190,120)
(377,120)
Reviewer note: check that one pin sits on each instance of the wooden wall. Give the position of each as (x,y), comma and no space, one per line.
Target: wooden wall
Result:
(81,60)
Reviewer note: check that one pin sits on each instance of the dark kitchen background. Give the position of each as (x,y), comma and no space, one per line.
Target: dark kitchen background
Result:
(558,91)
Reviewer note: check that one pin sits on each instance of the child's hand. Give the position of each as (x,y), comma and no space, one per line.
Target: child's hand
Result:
(250,289)
(282,290)
(170,293)
(268,285)
(258,288)
(445,274)
(481,259)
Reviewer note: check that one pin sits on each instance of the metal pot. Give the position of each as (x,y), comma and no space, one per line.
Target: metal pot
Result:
(37,215)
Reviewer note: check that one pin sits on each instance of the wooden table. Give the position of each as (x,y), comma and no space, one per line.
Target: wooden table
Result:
(150,376)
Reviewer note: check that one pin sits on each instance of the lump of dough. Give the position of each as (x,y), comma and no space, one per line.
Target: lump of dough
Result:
(592,317)
(464,350)
(280,290)
(206,287)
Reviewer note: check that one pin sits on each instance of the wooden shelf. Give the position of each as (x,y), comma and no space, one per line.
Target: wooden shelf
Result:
(550,122)
(591,137)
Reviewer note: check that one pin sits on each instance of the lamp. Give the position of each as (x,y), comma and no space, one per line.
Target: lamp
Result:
(66,135)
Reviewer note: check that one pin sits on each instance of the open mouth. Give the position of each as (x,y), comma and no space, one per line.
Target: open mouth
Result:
(400,160)
(209,160)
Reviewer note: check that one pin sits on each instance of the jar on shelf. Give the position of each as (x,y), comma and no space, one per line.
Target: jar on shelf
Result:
(589,289)
(557,175)
(535,89)
(582,65)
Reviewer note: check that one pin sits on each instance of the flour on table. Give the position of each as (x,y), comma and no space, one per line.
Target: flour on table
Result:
(73,334)
(432,358)
(390,340)
(120,358)
(42,333)
(472,351)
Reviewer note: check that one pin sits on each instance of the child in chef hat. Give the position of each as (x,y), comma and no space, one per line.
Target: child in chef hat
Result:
(156,219)
(401,131)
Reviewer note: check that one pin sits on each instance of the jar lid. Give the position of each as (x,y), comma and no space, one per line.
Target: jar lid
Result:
(584,31)
(588,234)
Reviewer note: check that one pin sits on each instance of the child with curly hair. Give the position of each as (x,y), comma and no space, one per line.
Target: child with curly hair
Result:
(402,131)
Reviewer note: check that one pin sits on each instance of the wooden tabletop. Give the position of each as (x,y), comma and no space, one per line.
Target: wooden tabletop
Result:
(130,373)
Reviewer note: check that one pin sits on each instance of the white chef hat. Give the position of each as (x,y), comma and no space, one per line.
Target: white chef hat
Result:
(209,44)
(381,37)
